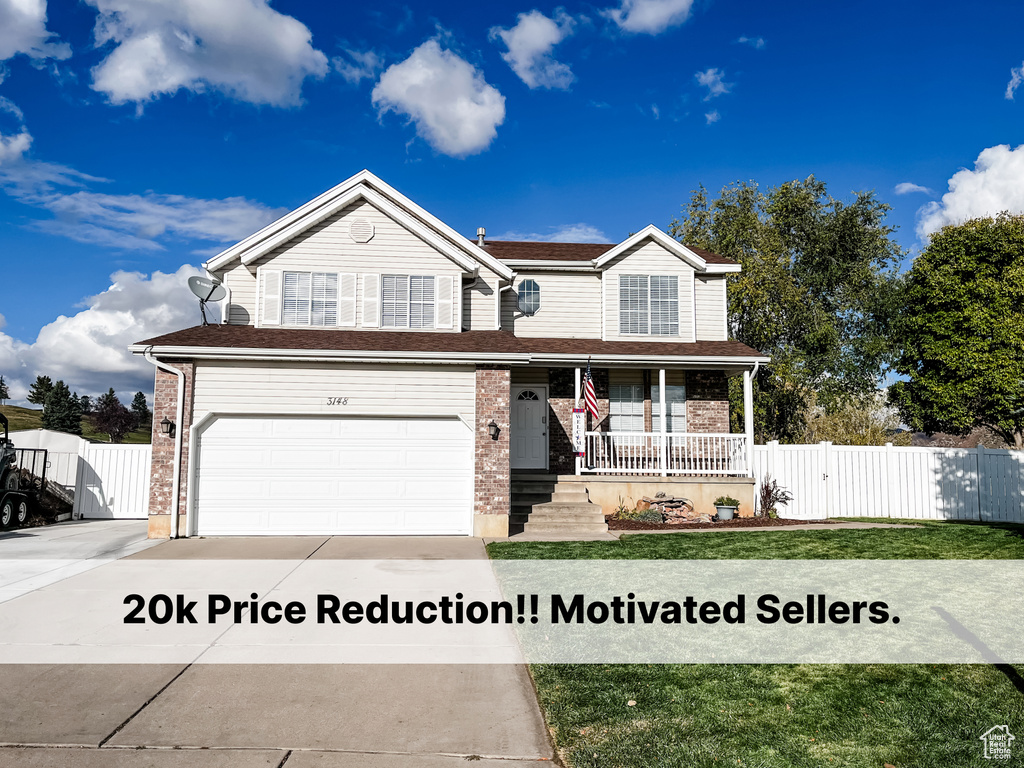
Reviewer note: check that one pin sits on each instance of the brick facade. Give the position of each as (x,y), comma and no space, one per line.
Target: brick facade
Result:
(165,405)
(561,400)
(707,401)
(493,476)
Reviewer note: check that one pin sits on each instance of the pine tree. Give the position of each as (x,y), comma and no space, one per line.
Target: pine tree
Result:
(86,402)
(62,411)
(5,393)
(39,390)
(140,409)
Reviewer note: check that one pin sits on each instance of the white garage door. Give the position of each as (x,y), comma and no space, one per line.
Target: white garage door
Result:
(281,475)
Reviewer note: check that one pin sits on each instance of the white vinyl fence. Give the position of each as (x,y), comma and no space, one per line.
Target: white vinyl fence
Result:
(113,481)
(829,480)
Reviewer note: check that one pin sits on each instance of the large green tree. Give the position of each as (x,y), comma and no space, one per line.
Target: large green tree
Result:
(62,411)
(816,292)
(39,390)
(110,416)
(5,393)
(961,336)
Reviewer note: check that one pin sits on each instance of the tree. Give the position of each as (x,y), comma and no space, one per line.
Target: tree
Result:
(862,421)
(86,402)
(140,408)
(816,293)
(5,393)
(39,390)
(62,411)
(961,341)
(110,416)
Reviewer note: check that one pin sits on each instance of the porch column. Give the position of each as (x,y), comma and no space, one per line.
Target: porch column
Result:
(579,461)
(662,422)
(748,418)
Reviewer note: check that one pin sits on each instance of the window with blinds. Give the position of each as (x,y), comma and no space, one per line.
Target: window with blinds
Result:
(407,301)
(649,305)
(626,408)
(310,298)
(675,408)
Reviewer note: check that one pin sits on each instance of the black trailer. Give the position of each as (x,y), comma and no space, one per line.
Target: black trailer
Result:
(22,480)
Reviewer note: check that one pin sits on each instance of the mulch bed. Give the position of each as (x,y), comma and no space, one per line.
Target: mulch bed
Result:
(736,522)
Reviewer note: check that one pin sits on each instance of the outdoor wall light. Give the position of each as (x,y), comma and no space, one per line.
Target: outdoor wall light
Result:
(492,430)
(167,427)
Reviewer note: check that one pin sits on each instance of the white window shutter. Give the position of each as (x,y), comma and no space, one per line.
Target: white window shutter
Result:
(371,301)
(270,290)
(444,302)
(346,299)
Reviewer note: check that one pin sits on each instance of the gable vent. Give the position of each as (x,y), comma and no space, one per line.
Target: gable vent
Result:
(360,230)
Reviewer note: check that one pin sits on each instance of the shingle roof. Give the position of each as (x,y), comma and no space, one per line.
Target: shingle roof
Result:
(508,250)
(484,342)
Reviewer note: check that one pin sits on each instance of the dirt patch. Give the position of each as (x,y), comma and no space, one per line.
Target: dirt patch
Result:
(736,522)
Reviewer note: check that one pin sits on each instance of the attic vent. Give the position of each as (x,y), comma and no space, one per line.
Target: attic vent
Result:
(360,230)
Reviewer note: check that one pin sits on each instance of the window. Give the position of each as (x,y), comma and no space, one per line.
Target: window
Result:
(527,394)
(310,298)
(407,301)
(649,305)
(626,408)
(529,297)
(675,407)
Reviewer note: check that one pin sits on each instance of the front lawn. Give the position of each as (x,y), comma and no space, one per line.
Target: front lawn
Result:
(780,716)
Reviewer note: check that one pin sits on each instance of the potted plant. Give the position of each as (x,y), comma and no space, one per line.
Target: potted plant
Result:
(726,506)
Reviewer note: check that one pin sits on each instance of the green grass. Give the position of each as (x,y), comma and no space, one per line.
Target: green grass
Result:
(28,418)
(780,716)
(930,541)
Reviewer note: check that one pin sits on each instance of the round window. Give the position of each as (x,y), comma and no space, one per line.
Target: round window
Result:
(529,297)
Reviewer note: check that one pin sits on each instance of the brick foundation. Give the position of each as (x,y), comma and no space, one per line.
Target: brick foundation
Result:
(493,477)
(165,405)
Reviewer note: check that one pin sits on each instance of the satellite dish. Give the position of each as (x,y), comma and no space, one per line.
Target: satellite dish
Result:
(206,290)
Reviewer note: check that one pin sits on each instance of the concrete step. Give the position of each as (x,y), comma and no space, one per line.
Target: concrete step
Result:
(565,528)
(532,487)
(569,507)
(570,495)
(539,517)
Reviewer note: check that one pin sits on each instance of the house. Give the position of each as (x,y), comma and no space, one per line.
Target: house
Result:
(376,372)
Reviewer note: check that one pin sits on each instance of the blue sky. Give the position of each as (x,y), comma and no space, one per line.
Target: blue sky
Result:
(139,138)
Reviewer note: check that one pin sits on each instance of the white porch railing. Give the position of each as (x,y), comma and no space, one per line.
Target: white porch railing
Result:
(647,453)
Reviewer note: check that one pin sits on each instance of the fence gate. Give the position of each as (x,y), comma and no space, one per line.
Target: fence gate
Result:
(113,482)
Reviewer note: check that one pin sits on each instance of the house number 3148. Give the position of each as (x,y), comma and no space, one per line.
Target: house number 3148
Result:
(337,401)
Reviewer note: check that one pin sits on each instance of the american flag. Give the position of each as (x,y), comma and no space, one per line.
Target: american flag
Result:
(589,395)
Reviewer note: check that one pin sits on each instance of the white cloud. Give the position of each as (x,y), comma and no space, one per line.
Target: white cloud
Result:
(23,30)
(358,66)
(1016,78)
(713,80)
(567,233)
(88,350)
(453,107)
(753,42)
(908,188)
(712,116)
(995,185)
(132,222)
(649,16)
(530,43)
(241,48)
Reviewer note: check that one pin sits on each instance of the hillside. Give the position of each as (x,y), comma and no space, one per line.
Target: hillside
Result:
(29,418)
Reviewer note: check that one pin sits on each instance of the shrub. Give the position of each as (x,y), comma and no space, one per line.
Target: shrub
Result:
(649,516)
(772,495)
(726,501)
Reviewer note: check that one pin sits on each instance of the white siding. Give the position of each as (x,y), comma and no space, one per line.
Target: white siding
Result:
(304,388)
(241,281)
(648,258)
(328,247)
(570,306)
(479,311)
(710,310)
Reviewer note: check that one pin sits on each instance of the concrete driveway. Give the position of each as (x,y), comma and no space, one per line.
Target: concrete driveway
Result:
(31,558)
(296,716)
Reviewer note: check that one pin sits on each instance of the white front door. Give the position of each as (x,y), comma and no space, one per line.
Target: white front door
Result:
(529,432)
